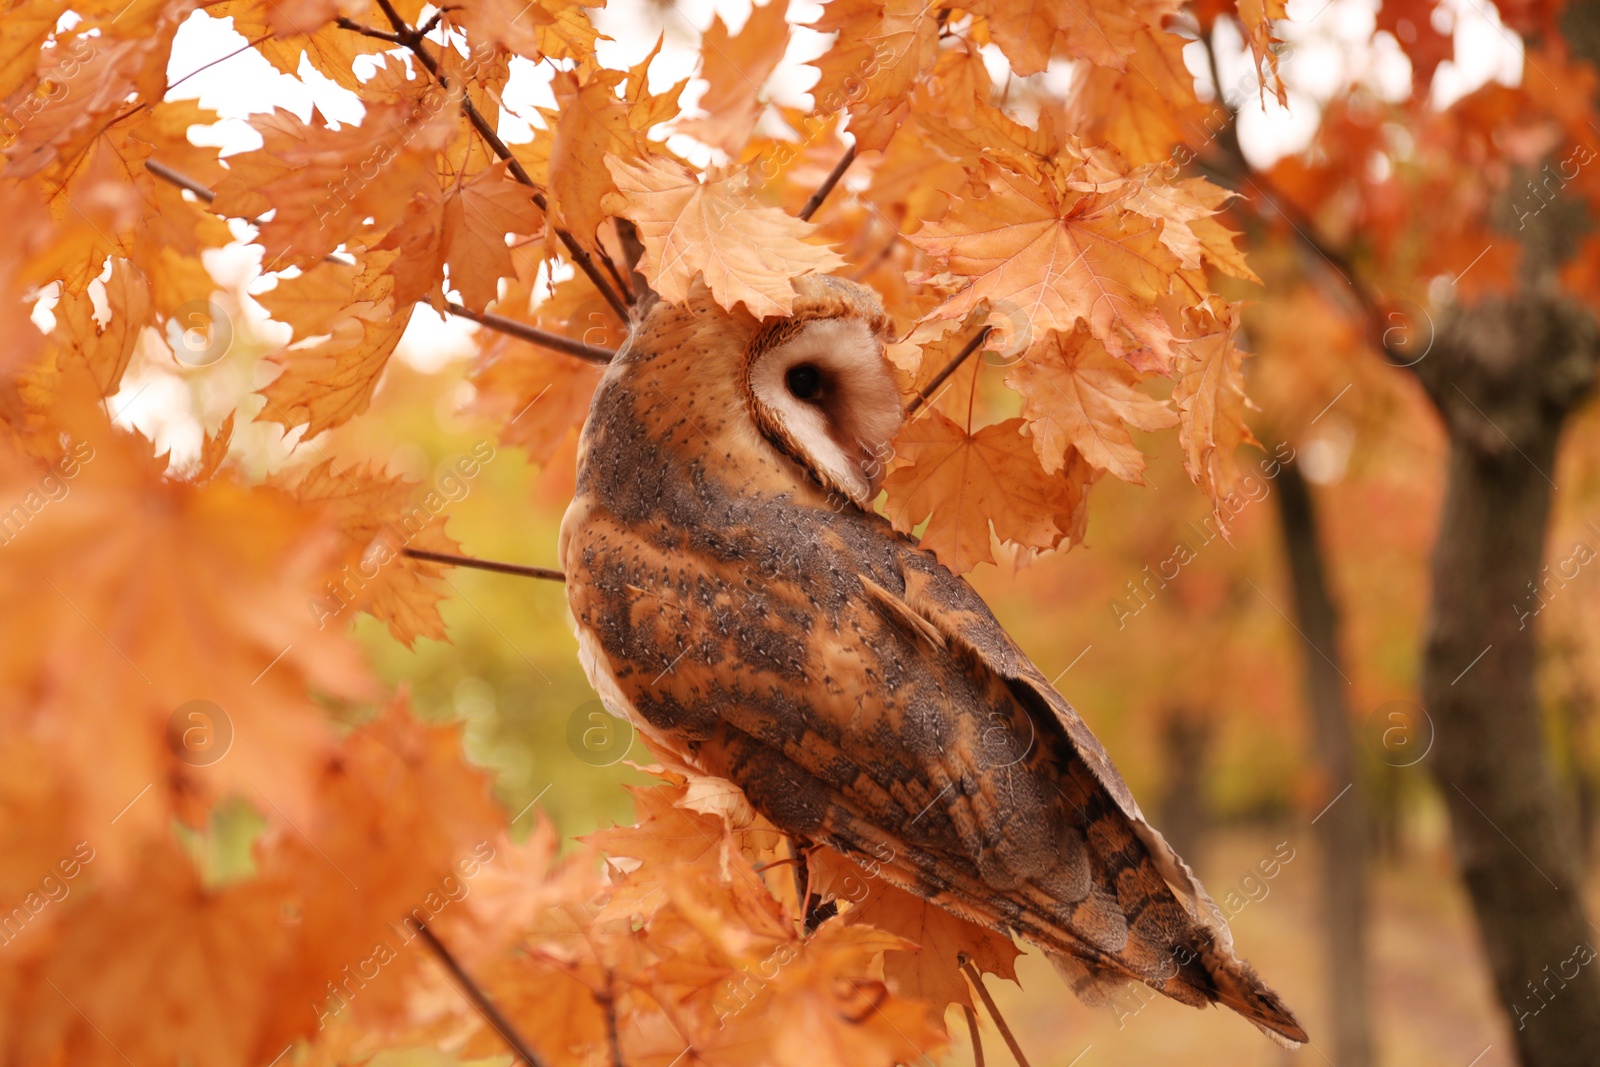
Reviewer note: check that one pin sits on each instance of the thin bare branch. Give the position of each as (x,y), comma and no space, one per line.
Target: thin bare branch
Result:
(182,181)
(534,335)
(369,31)
(1257,190)
(511,327)
(632,252)
(220,59)
(994,1012)
(950,368)
(608,1005)
(616,275)
(828,183)
(480,999)
(410,38)
(520,569)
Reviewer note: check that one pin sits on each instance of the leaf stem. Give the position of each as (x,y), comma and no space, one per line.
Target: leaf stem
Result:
(950,368)
(608,1005)
(994,1012)
(972,1028)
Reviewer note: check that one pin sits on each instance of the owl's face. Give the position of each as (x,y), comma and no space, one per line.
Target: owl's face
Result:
(805,404)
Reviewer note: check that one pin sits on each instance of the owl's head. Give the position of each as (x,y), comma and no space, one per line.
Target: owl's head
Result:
(806,403)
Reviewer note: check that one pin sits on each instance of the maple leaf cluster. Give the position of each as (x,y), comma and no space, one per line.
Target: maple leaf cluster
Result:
(164,681)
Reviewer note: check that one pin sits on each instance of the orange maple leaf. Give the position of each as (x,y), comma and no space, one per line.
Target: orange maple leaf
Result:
(324,185)
(1075,396)
(748,254)
(103,351)
(1211,404)
(735,67)
(149,594)
(1057,255)
(601,114)
(932,972)
(463,225)
(882,51)
(379,516)
(1144,104)
(538,396)
(1101,31)
(960,483)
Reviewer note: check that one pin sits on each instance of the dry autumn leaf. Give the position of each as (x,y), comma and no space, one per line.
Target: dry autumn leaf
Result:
(881,52)
(747,253)
(735,66)
(380,517)
(1075,396)
(1101,31)
(1211,404)
(960,483)
(1058,256)
(930,972)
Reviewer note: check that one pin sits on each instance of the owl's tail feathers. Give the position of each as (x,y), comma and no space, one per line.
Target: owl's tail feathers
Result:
(1208,977)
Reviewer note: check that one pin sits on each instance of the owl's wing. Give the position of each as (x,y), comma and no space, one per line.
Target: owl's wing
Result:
(863,696)
(951,607)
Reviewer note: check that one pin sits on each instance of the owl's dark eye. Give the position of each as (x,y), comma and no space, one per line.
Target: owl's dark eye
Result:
(804,381)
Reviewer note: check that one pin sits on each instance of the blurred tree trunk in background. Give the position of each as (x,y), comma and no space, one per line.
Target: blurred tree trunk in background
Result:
(1504,375)
(1384,791)
(1341,829)
(1577,721)
(1185,817)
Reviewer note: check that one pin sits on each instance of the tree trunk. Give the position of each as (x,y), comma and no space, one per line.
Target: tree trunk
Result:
(1504,375)
(1342,828)
(1185,818)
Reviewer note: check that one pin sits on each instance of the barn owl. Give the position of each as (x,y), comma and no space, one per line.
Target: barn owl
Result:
(737,598)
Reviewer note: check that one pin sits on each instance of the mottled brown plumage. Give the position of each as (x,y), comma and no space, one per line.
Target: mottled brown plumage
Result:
(757,624)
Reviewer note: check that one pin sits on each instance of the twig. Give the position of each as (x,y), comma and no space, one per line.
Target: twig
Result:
(182,181)
(480,1000)
(872,264)
(622,283)
(632,252)
(828,183)
(994,1012)
(522,570)
(408,37)
(511,327)
(369,31)
(220,59)
(534,335)
(608,1006)
(972,1028)
(950,368)
(1238,171)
